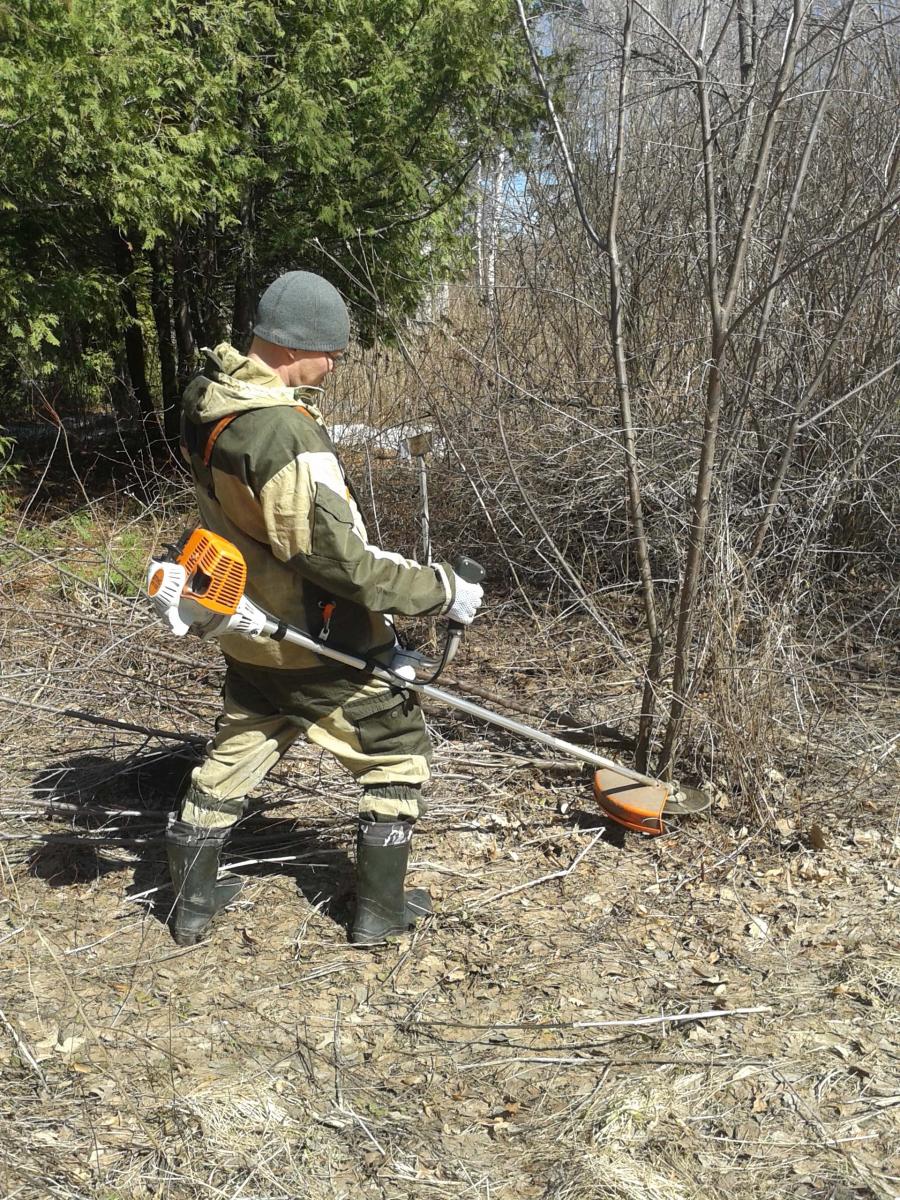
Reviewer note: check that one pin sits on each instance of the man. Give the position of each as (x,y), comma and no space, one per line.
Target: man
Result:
(267,478)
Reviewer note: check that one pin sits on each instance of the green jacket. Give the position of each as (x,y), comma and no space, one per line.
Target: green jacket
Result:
(274,486)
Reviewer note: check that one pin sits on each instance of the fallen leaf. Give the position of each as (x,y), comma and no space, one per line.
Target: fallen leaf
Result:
(704,970)
(68,1045)
(812,872)
(817,837)
(866,837)
(745,1073)
(829,1041)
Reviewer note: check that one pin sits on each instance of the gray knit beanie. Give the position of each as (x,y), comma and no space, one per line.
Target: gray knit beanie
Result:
(303,311)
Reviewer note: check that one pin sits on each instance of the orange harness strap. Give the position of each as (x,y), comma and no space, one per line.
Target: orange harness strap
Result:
(215,432)
(220,427)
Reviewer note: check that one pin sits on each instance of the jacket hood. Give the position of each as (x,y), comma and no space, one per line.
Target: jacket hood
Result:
(232,383)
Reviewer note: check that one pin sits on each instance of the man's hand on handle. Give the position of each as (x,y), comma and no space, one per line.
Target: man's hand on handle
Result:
(467,591)
(467,598)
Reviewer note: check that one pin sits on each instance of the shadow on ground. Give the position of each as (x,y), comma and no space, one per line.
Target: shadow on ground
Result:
(114,805)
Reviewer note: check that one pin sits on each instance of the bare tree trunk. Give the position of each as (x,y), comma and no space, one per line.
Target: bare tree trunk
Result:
(246,284)
(609,247)
(746,22)
(162,317)
(636,514)
(209,317)
(746,16)
(720,314)
(479,232)
(184,326)
(135,355)
(492,227)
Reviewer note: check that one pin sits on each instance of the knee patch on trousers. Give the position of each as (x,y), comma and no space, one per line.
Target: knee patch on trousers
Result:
(207,811)
(393,801)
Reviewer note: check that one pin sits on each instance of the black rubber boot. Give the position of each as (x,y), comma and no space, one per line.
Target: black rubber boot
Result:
(194,866)
(383,908)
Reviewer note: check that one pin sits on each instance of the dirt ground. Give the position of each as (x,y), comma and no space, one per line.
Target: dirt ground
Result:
(540,1036)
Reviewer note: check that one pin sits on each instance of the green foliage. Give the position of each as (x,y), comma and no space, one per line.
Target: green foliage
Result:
(93,553)
(248,135)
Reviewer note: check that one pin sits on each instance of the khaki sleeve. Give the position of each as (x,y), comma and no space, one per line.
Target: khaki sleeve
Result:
(311,523)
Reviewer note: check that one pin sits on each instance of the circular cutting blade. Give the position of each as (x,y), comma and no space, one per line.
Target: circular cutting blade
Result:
(686,801)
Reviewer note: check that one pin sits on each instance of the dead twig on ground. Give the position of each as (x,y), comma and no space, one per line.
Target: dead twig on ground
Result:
(91,719)
(708,1014)
(23,1048)
(543,879)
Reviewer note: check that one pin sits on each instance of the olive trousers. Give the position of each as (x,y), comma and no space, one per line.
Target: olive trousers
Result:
(376,731)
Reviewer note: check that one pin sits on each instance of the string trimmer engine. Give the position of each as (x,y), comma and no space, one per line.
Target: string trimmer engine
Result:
(197,586)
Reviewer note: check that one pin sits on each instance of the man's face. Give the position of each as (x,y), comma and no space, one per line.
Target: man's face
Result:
(310,367)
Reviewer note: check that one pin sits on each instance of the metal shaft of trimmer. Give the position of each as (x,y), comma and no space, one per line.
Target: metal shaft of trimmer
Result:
(474,710)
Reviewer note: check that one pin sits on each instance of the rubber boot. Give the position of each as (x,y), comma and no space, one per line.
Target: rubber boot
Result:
(194,866)
(383,908)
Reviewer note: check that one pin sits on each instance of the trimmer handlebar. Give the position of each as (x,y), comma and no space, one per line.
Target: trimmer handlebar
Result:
(472,572)
(468,569)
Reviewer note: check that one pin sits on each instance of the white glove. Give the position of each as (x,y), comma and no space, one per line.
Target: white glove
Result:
(467,598)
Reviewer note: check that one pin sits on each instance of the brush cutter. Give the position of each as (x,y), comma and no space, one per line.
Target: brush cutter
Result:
(198,585)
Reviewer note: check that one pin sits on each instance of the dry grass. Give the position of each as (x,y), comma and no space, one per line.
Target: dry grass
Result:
(274,1061)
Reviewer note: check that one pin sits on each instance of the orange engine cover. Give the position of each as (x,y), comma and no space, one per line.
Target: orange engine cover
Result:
(216,571)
